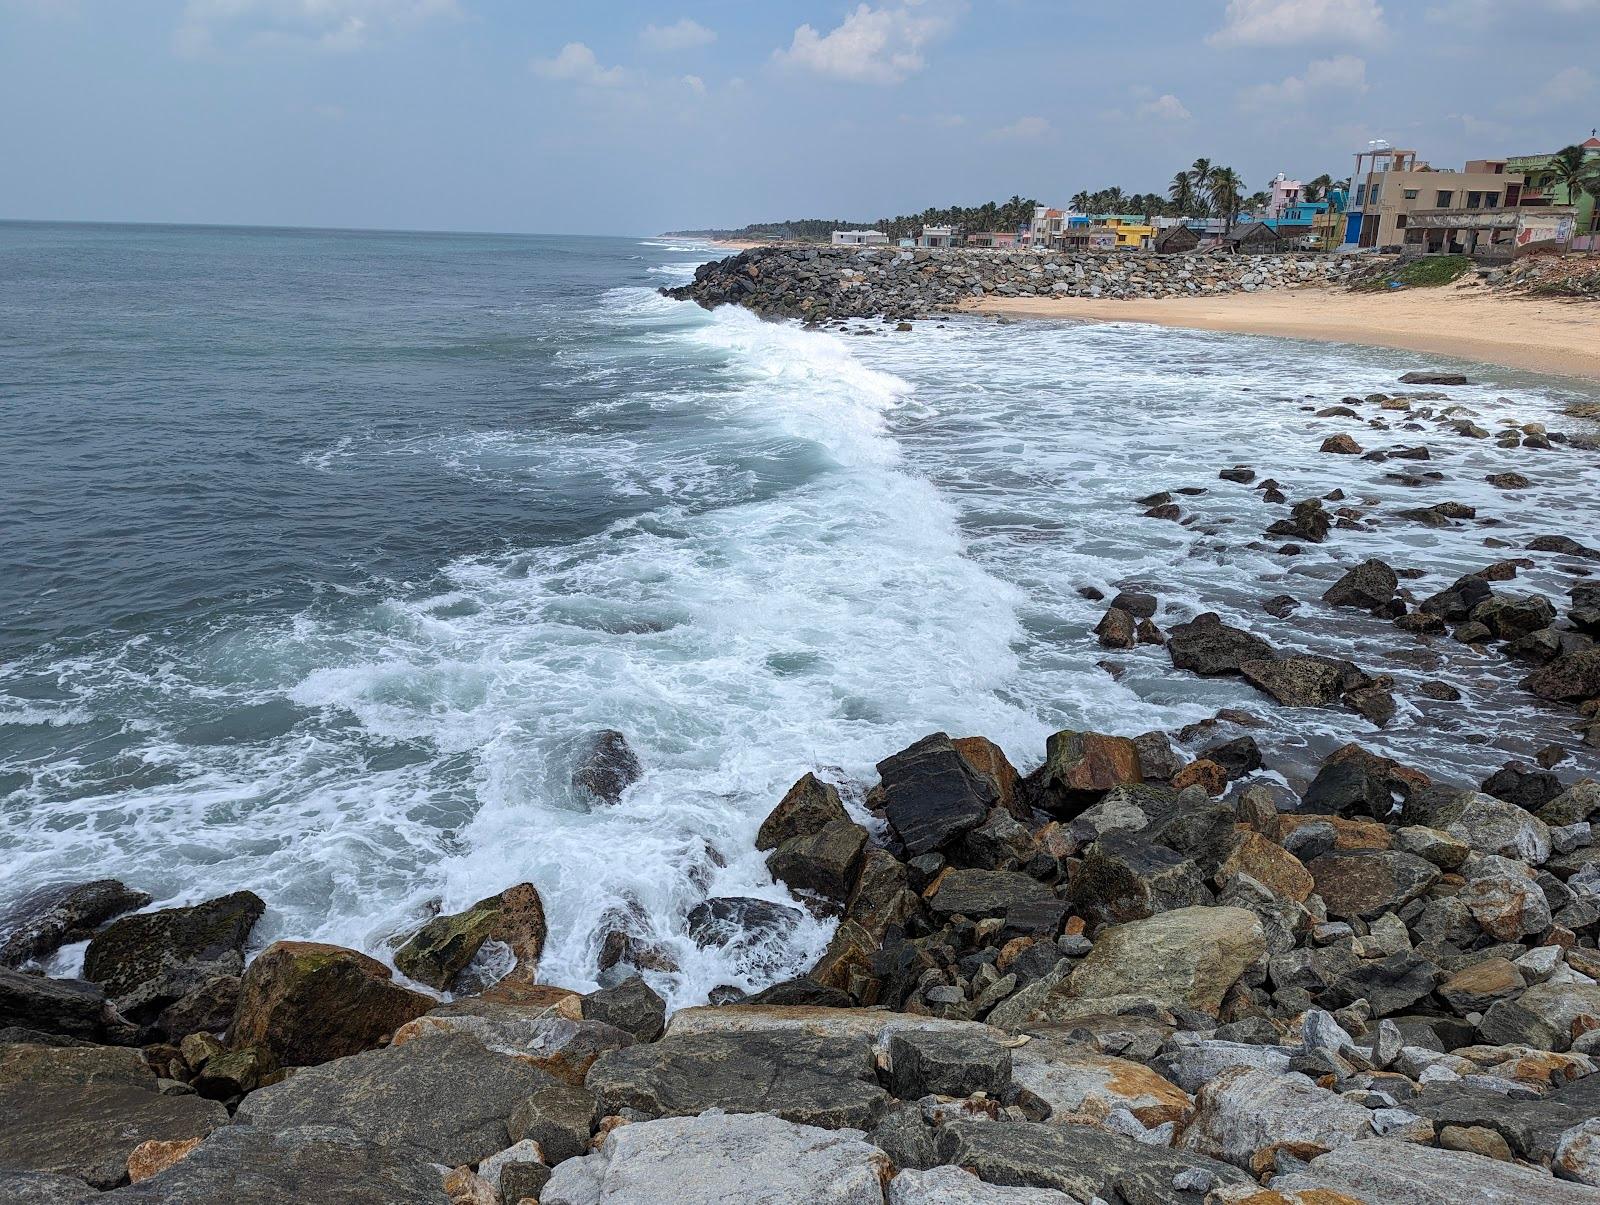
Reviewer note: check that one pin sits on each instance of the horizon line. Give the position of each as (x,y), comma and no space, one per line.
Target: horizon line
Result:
(16,221)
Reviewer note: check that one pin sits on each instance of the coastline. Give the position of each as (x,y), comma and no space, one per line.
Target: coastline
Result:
(1466,323)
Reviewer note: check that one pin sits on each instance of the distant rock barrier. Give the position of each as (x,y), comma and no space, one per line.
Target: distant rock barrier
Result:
(821,283)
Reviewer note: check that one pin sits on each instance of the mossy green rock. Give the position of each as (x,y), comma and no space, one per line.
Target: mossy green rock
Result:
(443,947)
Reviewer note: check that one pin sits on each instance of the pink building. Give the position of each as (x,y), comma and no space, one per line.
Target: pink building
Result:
(1285,193)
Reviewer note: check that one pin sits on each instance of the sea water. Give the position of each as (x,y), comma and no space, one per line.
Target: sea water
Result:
(324,553)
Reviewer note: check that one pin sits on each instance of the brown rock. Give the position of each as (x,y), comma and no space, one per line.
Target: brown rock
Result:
(148,1158)
(1347,834)
(1083,765)
(439,951)
(305,1002)
(1270,865)
(810,806)
(988,759)
(1473,989)
(1476,1140)
(1367,883)
(1341,445)
(1203,773)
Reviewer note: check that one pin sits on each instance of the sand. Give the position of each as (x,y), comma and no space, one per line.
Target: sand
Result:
(1460,321)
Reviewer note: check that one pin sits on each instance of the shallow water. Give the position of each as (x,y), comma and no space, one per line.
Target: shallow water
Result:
(325,549)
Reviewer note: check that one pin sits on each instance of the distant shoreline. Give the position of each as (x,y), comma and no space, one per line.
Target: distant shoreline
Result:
(1462,322)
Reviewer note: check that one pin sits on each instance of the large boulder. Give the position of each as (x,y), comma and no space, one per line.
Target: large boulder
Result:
(445,1095)
(330,1165)
(1369,882)
(932,795)
(632,1006)
(1489,825)
(953,1186)
(146,961)
(990,761)
(1405,1173)
(719,1158)
(80,1111)
(43,921)
(1189,956)
(1570,678)
(1246,1116)
(1079,1083)
(1295,681)
(1369,585)
(1080,767)
(305,1002)
(44,1188)
(809,807)
(554,1038)
(1082,1162)
(1547,1016)
(1205,645)
(69,1008)
(606,766)
(977,894)
(825,1081)
(443,947)
(947,1063)
(823,863)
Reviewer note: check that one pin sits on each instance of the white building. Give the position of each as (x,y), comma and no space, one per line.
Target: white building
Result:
(860,238)
(937,236)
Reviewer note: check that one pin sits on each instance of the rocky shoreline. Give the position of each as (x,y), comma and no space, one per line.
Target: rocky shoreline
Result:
(818,284)
(1129,975)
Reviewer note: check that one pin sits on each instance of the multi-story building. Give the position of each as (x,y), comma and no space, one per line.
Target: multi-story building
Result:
(1047,226)
(1390,184)
(1284,194)
(937,236)
(1541,190)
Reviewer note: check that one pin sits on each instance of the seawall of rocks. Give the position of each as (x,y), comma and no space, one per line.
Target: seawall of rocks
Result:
(821,283)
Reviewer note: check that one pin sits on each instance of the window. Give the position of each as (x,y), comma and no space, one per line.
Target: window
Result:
(1361,194)
(1411,194)
(1400,222)
(1474,200)
(1491,200)
(1376,189)
(1444,199)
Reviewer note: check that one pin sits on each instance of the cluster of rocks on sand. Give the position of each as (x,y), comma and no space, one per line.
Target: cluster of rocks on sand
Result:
(821,283)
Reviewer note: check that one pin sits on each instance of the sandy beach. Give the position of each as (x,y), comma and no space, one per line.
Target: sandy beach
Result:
(1461,321)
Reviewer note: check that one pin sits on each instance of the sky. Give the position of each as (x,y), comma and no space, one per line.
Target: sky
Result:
(629,117)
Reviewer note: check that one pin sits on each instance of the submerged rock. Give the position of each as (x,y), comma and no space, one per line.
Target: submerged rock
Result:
(43,921)
(607,766)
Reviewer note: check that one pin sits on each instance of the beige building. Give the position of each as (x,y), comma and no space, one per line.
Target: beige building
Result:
(1389,185)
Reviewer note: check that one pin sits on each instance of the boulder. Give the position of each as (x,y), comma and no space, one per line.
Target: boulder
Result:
(330,1165)
(1341,445)
(1433,378)
(1078,1083)
(81,1111)
(809,807)
(631,1006)
(1189,956)
(560,1118)
(948,1063)
(811,1080)
(552,1038)
(1369,586)
(1207,646)
(932,795)
(1569,678)
(69,1008)
(44,1188)
(1307,521)
(153,1157)
(146,961)
(1081,1161)
(1117,629)
(1295,681)
(1195,1063)
(953,1186)
(1269,864)
(1406,1173)
(1505,899)
(606,766)
(1245,1116)
(1366,883)
(977,894)
(1547,1016)
(1476,988)
(445,1095)
(443,947)
(43,921)
(305,1002)
(719,1158)
(1577,1155)
(1352,780)
(1487,824)
(1079,767)
(823,863)
(1122,877)
(990,762)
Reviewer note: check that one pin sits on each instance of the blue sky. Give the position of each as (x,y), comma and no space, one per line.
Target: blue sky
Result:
(632,117)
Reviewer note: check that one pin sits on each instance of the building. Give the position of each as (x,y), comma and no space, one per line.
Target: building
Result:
(1491,234)
(1047,226)
(1255,238)
(993,238)
(937,236)
(860,238)
(1390,184)
(1284,195)
(1088,238)
(1131,231)
(1540,190)
(1177,239)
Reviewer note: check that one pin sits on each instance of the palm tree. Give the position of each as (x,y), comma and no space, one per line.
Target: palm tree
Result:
(1200,176)
(1572,170)
(1224,187)
(1080,201)
(1181,190)
(1317,190)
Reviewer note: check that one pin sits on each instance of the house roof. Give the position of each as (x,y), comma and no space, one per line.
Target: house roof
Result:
(1591,144)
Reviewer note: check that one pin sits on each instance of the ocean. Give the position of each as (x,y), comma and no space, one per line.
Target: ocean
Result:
(325,551)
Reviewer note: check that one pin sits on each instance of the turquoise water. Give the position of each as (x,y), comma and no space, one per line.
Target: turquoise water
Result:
(324,551)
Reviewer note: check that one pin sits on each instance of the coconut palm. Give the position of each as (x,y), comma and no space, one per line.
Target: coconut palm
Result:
(1080,201)
(1200,177)
(1224,188)
(1573,170)
(1181,192)
(1317,190)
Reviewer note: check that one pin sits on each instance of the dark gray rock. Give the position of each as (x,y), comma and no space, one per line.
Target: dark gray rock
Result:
(947,1063)
(905,1137)
(68,1007)
(560,1118)
(607,766)
(632,1006)
(824,862)
(1207,646)
(330,1165)
(932,795)
(1531,1127)
(739,921)
(445,1095)
(976,894)
(43,921)
(151,959)
(804,1078)
(1370,585)
(1391,985)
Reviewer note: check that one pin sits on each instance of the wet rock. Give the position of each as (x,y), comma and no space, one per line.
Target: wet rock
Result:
(1239,474)
(932,795)
(949,1063)
(1245,1116)
(43,921)
(1352,780)
(1295,681)
(740,921)
(807,1079)
(1237,757)
(1368,882)
(1569,678)
(1081,766)
(1369,586)
(1081,1161)
(1562,545)
(1207,646)
(70,1008)
(446,1096)
(607,766)
(809,807)
(631,1006)
(823,863)
(326,1164)
(208,1008)
(1280,606)
(438,952)
(554,1039)
(1508,481)
(1116,629)
(146,961)
(1433,378)
(1342,445)
(305,1002)
(1188,956)
(716,1158)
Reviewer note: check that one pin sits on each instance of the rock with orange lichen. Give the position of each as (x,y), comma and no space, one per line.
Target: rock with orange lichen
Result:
(148,1158)
(1073,1078)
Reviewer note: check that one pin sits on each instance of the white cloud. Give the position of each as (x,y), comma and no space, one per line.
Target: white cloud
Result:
(695,84)
(872,45)
(1342,75)
(576,64)
(1024,129)
(333,25)
(1565,87)
(1165,107)
(682,35)
(1296,22)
